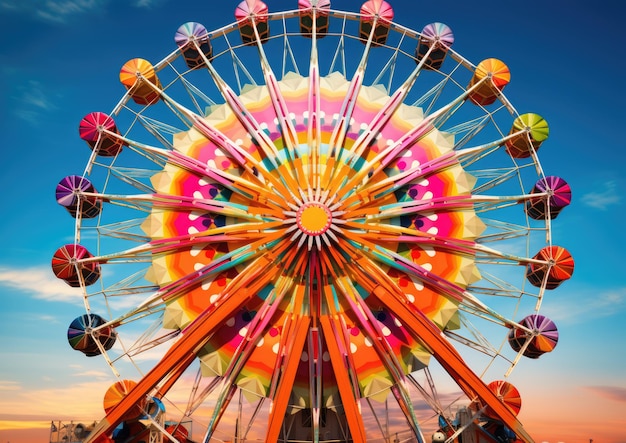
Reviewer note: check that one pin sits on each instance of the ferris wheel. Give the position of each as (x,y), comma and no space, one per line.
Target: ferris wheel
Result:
(312,225)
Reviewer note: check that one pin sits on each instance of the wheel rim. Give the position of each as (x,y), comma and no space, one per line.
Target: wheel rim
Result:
(327,219)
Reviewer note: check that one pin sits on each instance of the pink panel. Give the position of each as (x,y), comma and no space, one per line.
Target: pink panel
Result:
(250,7)
(377,7)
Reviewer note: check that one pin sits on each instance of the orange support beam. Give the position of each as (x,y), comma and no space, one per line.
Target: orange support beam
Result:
(170,380)
(285,386)
(348,399)
(432,338)
(177,358)
(172,362)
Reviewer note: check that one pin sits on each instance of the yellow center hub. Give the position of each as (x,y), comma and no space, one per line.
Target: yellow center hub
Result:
(314,218)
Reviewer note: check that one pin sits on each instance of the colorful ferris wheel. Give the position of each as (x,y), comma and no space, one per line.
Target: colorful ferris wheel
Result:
(312,225)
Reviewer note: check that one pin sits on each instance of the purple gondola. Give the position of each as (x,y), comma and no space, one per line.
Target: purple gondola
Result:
(543,339)
(70,193)
(189,38)
(441,37)
(559,195)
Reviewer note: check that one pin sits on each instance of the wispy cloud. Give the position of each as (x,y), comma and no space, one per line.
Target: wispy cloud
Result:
(86,400)
(80,400)
(147,4)
(587,304)
(34,95)
(610,301)
(615,393)
(64,11)
(61,10)
(39,282)
(604,198)
(93,375)
(32,101)
(55,11)
(9,386)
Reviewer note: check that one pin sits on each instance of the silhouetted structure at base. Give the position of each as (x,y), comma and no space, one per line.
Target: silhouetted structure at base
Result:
(299,426)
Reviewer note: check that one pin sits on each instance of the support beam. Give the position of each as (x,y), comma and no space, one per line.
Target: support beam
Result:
(348,399)
(280,401)
(433,340)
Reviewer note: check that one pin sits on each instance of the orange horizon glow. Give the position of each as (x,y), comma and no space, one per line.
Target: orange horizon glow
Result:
(551,413)
(567,430)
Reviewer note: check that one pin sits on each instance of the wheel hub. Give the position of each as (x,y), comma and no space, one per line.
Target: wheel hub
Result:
(314,218)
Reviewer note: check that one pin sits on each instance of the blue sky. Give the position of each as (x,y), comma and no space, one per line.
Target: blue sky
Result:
(59,60)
